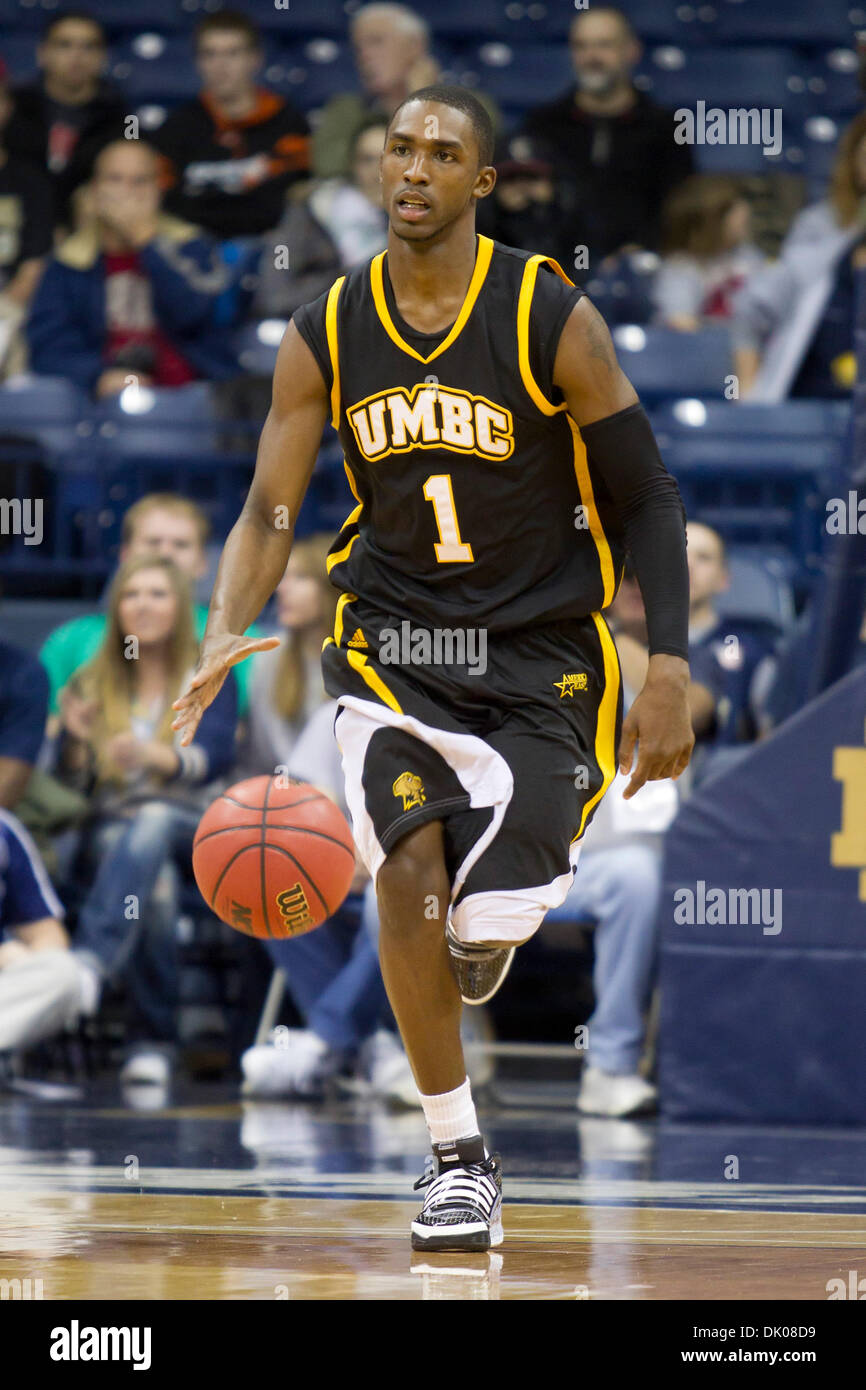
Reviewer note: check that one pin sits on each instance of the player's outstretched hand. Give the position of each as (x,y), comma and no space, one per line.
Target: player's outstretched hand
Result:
(218,655)
(660,723)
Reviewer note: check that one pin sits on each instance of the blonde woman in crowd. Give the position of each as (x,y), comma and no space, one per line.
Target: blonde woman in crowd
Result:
(146,792)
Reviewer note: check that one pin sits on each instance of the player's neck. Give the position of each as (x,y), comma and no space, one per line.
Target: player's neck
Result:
(430,280)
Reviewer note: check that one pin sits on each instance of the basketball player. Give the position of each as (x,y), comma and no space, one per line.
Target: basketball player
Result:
(502,464)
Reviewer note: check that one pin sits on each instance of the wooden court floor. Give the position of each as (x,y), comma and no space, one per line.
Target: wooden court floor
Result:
(229,1201)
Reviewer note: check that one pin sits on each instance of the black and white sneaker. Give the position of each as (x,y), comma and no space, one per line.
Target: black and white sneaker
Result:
(480,970)
(463,1204)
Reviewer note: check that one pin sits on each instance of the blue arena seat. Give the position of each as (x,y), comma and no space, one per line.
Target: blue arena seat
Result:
(658,21)
(799,22)
(813,147)
(309,74)
(662,362)
(621,289)
(480,19)
(50,410)
(757,499)
(19,54)
(191,405)
(834,84)
(749,159)
(24,14)
(258,344)
(155,68)
(517,76)
(299,18)
(760,590)
(727,77)
(158,16)
(799,419)
(160,423)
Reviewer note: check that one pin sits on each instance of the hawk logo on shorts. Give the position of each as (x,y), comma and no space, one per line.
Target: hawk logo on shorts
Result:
(569,683)
(357,639)
(294,907)
(411,788)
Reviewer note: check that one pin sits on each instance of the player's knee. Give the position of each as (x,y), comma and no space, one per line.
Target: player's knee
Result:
(497,919)
(414,877)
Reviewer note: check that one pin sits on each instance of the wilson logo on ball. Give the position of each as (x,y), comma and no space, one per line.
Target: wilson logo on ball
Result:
(294,907)
(273,860)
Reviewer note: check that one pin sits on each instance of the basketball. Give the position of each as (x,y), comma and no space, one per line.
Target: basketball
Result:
(273,858)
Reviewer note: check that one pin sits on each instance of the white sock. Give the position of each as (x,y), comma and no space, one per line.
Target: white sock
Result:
(450,1115)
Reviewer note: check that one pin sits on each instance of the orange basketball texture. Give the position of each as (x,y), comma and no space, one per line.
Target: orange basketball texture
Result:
(273,860)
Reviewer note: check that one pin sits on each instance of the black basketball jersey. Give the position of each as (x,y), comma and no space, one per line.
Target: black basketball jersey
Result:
(476,501)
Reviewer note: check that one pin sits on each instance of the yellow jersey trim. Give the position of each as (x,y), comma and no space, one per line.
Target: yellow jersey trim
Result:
(605,731)
(338,617)
(341,555)
(333,349)
(353,486)
(596,530)
(524,305)
(359,662)
(482,265)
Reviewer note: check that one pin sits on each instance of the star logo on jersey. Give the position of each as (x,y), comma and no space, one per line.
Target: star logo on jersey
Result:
(575,680)
(357,639)
(410,787)
(848,845)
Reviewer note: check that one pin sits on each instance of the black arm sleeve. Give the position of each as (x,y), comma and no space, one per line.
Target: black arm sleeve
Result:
(623,449)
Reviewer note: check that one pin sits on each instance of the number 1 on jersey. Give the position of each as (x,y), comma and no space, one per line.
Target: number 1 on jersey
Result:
(449,547)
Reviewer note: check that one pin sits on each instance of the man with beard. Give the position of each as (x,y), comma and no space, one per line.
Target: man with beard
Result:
(613,150)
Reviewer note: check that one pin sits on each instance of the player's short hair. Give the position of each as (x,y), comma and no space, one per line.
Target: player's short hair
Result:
(227,22)
(81,16)
(459,99)
(165,502)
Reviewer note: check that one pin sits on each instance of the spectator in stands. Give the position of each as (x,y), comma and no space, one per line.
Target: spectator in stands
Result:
(392,54)
(794,322)
(160,524)
(132,292)
(26,214)
(523,209)
(618,887)
(740,650)
(23,711)
(64,119)
(708,253)
(613,150)
(336,225)
(43,987)
(147,793)
(230,155)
